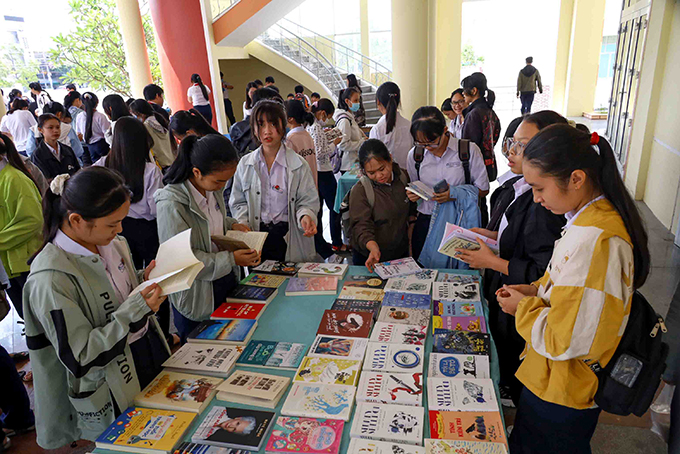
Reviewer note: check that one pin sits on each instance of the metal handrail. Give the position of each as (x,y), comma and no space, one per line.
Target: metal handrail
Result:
(220,7)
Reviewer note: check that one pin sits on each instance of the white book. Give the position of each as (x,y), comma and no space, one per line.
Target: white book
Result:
(395,423)
(176,266)
(361,446)
(448,365)
(461,394)
(338,347)
(253,388)
(408,285)
(391,388)
(456,292)
(312,400)
(235,240)
(215,360)
(329,371)
(382,357)
(397,268)
(464,447)
(456,237)
(323,269)
(404,315)
(420,189)
(396,333)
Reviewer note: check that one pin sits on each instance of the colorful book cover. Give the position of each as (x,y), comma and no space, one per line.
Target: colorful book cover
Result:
(345,323)
(323,269)
(308,435)
(300,286)
(228,331)
(482,426)
(364,281)
(394,333)
(458,278)
(425,275)
(264,280)
(396,423)
(250,294)
(476,323)
(213,359)
(357,306)
(279,355)
(410,300)
(235,311)
(457,309)
(329,371)
(397,268)
(358,293)
(406,285)
(338,347)
(458,366)
(383,357)
(254,384)
(280,268)
(146,429)
(188,447)
(461,394)
(319,401)
(404,316)
(391,388)
(453,291)
(238,428)
(461,342)
(362,446)
(463,447)
(177,391)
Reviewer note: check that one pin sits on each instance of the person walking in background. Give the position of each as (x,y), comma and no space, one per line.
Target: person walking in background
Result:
(93,125)
(228,108)
(199,95)
(527,80)
(360,113)
(302,97)
(154,95)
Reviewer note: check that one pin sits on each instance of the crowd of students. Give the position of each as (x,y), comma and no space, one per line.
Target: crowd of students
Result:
(572,245)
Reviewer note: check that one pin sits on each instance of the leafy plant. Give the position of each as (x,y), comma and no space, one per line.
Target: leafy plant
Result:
(469,57)
(15,69)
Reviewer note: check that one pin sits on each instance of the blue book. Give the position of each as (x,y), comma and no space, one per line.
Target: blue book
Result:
(457,309)
(277,355)
(411,300)
(460,342)
(236,332)
(251,294)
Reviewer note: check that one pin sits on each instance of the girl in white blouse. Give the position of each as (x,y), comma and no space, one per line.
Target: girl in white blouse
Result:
(93,126)
(199,96)
(392,129)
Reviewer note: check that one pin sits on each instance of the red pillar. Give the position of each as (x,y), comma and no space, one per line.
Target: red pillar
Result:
(182,51)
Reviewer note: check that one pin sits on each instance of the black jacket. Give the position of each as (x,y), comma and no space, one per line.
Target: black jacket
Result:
(242,138)
(483,127)
(48,163)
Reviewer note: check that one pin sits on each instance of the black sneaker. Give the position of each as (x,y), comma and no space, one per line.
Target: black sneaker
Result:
(506,400)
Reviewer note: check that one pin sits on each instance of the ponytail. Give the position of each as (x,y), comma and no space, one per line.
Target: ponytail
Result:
(560,149)
(478,80)
(184,120)
(296,110)
(208,154)
(196,79)
(389,96)
(17,104)
(9,151)
(490,97)
(142,106)
(90,102)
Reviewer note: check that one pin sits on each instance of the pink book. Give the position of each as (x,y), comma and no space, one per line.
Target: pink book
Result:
(308,435)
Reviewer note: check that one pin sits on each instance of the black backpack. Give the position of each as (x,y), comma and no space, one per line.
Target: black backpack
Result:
(628,383)
(463,155)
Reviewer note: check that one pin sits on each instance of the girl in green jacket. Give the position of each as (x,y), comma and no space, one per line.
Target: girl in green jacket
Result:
(93,343)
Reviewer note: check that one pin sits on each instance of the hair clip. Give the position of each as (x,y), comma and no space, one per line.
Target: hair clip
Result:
(594,138)
(57,185)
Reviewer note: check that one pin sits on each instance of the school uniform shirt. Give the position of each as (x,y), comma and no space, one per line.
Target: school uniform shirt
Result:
(100,124)
(211,209)
(448,167)
(324,149)
(246,111)
(274,187)
(581,309)
(53,162)
(352,138)
(196,95)
(18,124)
(456,127)
(302,143)
(42,99)
(399,141)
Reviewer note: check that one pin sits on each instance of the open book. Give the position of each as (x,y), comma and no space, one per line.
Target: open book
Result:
(456,237)
(176,265)
(420,189)
(235,240)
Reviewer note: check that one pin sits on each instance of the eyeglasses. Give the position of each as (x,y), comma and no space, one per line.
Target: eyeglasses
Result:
(458,103)
(512,147)
(433,145)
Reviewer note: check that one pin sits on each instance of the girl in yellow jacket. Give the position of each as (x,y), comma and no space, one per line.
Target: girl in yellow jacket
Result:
(577,312)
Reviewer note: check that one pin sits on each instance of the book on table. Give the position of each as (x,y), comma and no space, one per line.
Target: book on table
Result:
(292,434)
(476,323)
(456,237)
(323,269)
(410,300)
(362,446)
(279,268)
(457,308)
(215,360)
(450,365)
(396,333)
(340,347)
(397,268)
(464,447)
(363,294)
(188,447)
(250,294)
(458,278)
(309,286)
(406,285)
(313,400)
(176,266)
(238,311)
(364,281)
(253,388)
(329,371)
(235,240)
(389,422)
(346,323)
(461,342)
(146,430)
(234,332)
(479,426)
(461,394)
(237,428)
(178,391)
(341,304)
(404,316)
(264,280)
(420,189)
(382,357)
(391,388)
(272,354)
(456,292)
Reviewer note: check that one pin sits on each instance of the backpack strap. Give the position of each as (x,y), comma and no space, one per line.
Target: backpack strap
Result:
(464,155)
(368,188)
(418,156)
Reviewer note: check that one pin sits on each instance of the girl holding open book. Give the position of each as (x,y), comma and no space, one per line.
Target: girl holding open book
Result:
(193,199)
(93,343)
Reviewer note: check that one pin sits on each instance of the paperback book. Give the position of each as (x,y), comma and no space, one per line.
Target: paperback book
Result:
(463,447)
(177,391)
(461,394)
(397,268)
(396,333)
(461,342)
(280,268)
(426,274)
(456,237)
(188,447)
(364,281)
(382,357)
(481,426)
(353,348)
(319,401)
(329,371)
(236,428)
(304,286)
(476,323)
(404,316)
(264,280)
(358,293)
(457,309)
(391,388)
(458,278)
(237,311)
(216,360)
(253,388)
(357,306)
(409,300)
(234,332)
(392,423)
(250,294)
(446,365)
(235,240)
(452,291)
(420,189)
(362,446)
(323,269)
(345,323)
(307,435)
(272,354)
(406,285)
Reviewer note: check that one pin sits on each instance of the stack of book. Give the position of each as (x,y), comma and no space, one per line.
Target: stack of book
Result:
(253,388)
(215,360)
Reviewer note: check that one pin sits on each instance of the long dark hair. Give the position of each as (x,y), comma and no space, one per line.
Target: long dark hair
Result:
(9,150)
(90,102)
(184,120)
(324,104)
(544,118)
(389,96)
(54,108)
(130,153)
(353,82)
(478,80)
(207,154)
(196,79)
(17,104)
(429,121)
(249,102)
(344,95)
(296,110)
(142,106)
(115,107)
(92,192)
(271,111)
(560,149)
(70,97)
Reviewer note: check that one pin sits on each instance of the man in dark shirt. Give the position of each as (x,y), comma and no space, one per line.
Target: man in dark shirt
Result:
(154,94)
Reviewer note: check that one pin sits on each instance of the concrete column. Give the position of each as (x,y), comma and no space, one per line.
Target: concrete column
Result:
(562,54)
(447,30)
(134,41)
(365,42)
(220,116)
(409,52)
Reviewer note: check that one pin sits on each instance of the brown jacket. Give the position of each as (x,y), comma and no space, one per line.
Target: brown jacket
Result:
(386,223)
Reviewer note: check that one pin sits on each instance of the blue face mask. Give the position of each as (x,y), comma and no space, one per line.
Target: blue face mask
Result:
(287,130)
(355,107)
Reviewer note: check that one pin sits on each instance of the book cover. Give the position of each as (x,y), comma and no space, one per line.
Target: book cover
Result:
(234,428)
(250,294)
(458,278)
(146,430)
(358,293)
(254,384)
(319,401)
(391,388)
(383,357)
(235,311)
(278,355)
(329,371)
(406,285)
(213,359)
(457,309)
(476,323)
(308,435)
(461,342)
(364,281)
(280,268)
(264,280)
(458,366)
(235,240)
(323,269)
(345,323)
(410,300)
(404,316)
(177,391)
(461,394)
(357,306)
(235,332)
(454,291)
(420,189)
(397,268)
(463,447)
(362,446)
(396,333)
(456,237)
(188,447)
(426,274)
(481,426)
(396,423)
(338,347)
(302,286)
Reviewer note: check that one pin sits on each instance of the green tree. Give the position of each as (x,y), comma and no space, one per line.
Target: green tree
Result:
(15,69)
(94,49)
(469,58)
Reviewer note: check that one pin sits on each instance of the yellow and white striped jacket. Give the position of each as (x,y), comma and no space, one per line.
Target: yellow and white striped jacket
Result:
(581,309)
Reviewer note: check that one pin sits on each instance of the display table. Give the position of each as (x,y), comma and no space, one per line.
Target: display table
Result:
(345,184)
(296,319)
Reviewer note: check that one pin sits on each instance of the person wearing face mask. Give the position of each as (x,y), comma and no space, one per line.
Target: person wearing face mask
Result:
(352,135)
(458,105)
